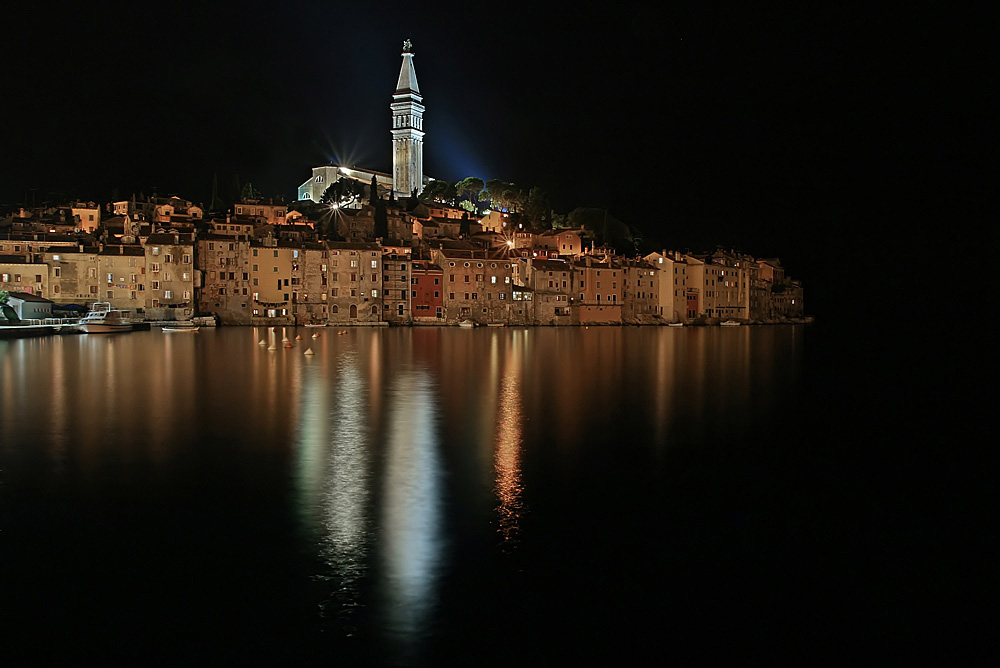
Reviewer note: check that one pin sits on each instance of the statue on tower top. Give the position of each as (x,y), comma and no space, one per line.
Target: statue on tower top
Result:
(407,46)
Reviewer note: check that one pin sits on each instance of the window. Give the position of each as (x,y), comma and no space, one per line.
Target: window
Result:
(155,285)
(493,280)
(58,272)
(451,295)
(374,293)
(167,294)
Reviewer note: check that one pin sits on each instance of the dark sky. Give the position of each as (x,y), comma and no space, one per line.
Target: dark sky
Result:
(773,130)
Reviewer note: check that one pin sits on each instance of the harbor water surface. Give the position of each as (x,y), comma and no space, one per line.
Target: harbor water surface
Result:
(429,496)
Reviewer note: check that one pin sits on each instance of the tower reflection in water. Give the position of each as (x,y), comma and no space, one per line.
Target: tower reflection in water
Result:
(379,536)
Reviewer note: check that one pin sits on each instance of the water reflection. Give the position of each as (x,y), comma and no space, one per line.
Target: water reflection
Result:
(507,460)
(411,517)
(333,480)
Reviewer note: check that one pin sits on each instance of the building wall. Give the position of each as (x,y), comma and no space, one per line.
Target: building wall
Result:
(427,293)
(29,277)
(170,272)
(226,283)
(396,282)
(355,284)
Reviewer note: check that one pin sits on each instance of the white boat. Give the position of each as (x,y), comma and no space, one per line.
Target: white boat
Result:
(181,327)
(102,319)
(730,323)
(675,324)
(466,323)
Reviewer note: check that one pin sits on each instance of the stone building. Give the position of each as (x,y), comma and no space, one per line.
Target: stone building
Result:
(551,282)
(599,290)
(396,282)
(355,283)
(426,293)
(225,289)
(170,271)
(477,286)
(640,303)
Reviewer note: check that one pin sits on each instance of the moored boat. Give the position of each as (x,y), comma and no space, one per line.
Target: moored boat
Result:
(102,319)
(181,327)
(730,323)
(466,323)
(675,324)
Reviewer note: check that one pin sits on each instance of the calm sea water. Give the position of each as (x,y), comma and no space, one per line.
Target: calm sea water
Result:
(430,496)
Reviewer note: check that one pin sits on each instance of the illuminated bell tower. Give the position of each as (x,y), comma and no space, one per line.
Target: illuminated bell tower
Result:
(407,129)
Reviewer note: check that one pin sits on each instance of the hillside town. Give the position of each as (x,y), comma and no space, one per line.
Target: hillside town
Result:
(363,247)
(264,263)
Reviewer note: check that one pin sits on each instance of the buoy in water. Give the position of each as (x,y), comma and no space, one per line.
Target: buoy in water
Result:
(262,342)
(272,347)
(288,345)
(315,336)
(309,351)
(298,338)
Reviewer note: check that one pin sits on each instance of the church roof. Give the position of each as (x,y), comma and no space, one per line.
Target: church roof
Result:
(407,76)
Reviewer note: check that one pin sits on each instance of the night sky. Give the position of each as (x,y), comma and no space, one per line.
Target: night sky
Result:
(785,131)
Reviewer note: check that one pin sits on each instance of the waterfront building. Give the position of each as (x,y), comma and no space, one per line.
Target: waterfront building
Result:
(170,270)
(355,285)
(225,286)
(600,290)
(28,306)
(310,298)
(551,281)
(639,292)
(426,292)
(274,275)
(477,286)
(396,281)
(671,285)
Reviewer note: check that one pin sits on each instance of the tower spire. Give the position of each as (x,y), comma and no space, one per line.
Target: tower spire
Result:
(407,128)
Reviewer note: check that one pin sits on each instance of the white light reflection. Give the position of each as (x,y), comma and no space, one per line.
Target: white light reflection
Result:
(333,481)
(412,508)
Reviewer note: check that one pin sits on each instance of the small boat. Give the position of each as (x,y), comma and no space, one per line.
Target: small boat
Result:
(675,324)
(730,323)
(181,327)
(466,323)
(102,319)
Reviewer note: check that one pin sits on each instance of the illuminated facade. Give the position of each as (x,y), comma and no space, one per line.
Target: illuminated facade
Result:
(407,129)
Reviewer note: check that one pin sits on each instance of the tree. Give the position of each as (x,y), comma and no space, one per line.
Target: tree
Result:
(373,190)
(342,192)
(250,194)
(538,210)
(381,220)
(606,228)
(471,187)
(463,228)
(439,191)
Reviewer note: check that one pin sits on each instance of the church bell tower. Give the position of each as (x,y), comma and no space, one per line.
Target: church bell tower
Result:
(407,129)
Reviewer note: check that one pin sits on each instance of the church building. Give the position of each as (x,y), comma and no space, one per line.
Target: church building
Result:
(407,145)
